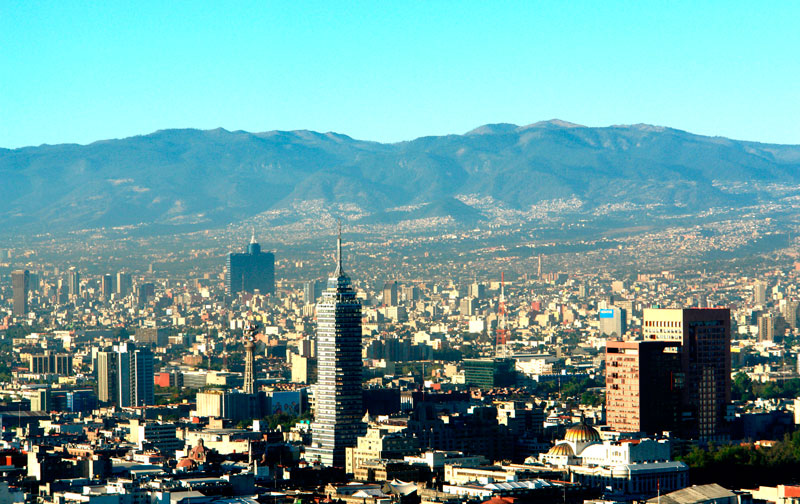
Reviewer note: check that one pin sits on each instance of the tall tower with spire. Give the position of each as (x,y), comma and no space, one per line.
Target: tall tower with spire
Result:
(337,419)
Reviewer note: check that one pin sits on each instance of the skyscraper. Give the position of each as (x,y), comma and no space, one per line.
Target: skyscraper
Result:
(390,293)
(106,287)
(253,270)
(337,420)
(643,385)
(312,290)
(760,292)
(766,327)
(124,284)
(106,371)
(704,335)
(133,375)
(143,385)
(20,282)
(145,292)
(613,321)
(73,283)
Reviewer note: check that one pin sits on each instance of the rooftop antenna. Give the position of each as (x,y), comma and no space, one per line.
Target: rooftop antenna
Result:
(339,270)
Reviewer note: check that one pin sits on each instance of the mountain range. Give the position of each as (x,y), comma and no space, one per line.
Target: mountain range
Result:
(215,177)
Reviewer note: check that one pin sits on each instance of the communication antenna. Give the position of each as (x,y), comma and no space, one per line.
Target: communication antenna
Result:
(501,334)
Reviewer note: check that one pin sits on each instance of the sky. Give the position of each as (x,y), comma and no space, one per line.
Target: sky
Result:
(392,70)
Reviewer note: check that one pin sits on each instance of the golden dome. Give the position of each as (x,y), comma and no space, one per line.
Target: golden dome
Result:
(561,449)
(582,433)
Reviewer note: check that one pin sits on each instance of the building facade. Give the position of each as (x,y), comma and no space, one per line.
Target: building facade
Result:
(20,283)
(704,335)
(643,385)
(337,420)
(251,271)
(133,376)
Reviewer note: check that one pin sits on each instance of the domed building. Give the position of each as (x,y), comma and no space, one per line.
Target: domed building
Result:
(621,468)
(568,451)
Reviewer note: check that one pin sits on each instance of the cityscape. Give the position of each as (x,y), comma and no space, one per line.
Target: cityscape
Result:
(211,293)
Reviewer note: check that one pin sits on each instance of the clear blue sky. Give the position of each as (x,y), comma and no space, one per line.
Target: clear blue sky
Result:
(75,71)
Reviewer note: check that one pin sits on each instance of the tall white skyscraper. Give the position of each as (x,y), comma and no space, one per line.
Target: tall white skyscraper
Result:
(337,420)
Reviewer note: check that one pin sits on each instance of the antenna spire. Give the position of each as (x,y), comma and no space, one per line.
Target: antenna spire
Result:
(339,270)
(253,236)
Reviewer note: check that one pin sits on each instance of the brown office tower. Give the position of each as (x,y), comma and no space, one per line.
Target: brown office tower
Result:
(704,335)
(643,385)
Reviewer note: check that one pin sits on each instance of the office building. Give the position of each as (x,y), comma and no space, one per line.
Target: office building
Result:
(232,404)
(145,292)
(468,306)
(144,383)
(304,369)
(704,335)
(155,435)
(760,292)
(613,321)
(643,386)
(81,401)
(312,290)
(489,373)
(51,363)
(789,311)
(390,293)
(380,443)
(106,371)
(42,400)
(337,420)
(107,287)
(73,283)
(251,271)
(477,290)
(134,376)
(410,293)
(124,284)
(20,283)
(157,336)
(766,327)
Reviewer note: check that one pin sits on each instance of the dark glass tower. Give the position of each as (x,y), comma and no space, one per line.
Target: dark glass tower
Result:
(20,282)
(251,271)
(337,420)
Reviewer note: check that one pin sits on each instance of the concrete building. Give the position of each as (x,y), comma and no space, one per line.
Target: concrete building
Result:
(390,293)
(766,327)
(613,321)
(51,363)
(379,443)
(155,435)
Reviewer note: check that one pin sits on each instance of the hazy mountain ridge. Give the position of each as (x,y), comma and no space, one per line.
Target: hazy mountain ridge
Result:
(218,176)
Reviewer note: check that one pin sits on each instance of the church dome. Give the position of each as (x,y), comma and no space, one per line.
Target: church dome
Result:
(562,449)
(582,433)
